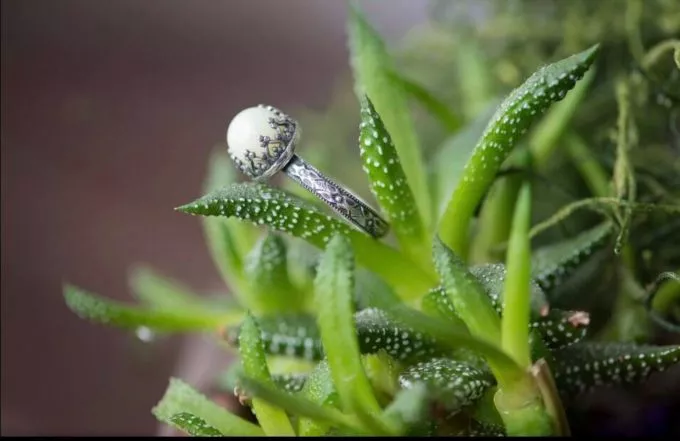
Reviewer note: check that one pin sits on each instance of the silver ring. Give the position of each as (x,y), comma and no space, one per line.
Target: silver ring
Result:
(261,141)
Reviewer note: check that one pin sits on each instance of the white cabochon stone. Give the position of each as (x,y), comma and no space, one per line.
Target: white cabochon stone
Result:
(245,130)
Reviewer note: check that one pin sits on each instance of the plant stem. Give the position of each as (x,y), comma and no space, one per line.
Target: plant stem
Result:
(522,410)
(516,295)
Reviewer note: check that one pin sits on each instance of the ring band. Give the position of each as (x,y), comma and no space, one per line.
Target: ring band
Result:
(262,142)
(338,198)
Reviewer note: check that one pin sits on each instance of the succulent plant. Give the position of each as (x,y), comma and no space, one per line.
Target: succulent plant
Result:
(468,320)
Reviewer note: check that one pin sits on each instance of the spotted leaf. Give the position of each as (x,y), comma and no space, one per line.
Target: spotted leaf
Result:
(553,264)
(319,389)
(180,397)
(512,119)
(388,181)
(263,205)
(583,366)
(193,425)
(334,299)
(270,289)
(293,335)
(376,331)
(272,419)
(110,312)
(562,328)
(467,295)
(292,382)
(450,384)
(372,67)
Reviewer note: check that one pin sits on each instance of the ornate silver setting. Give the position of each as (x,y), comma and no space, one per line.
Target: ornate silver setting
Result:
(270,148)
(274,153)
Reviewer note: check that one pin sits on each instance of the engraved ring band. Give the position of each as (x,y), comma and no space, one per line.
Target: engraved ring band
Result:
(261,141)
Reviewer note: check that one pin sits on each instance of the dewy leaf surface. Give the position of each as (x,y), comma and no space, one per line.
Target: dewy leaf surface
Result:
(388,181)
(373,67)
(263,205)
(193,425)
(512,119)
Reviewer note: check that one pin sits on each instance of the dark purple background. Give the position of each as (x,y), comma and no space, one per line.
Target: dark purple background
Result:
(109,110)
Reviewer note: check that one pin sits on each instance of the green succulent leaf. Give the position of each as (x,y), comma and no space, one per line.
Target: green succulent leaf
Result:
(334,298)
(409,411)
(581,367)
(272,419)
(448,162)
(553,264)
(372,67)
(544,137)
(467,294)
(319,389)
(270,289)
(446,117)
(228,240)
(377,331)
(159,292)
(298,405)
(562,328)
(450,384)
(110,312)
(388,181)
(260,204)
(512,119)
(558,328)
(193,425)
(291,335)
(290,382)
(180,398)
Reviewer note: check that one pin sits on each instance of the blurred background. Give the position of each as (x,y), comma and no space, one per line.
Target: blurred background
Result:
(109,113)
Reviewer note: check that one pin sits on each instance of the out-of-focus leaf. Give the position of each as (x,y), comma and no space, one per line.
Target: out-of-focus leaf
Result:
(182,398)
(98,309)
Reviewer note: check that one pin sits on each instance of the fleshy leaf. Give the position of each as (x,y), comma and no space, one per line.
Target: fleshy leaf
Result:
(319,389)
(272,419)
(583,366)
(438,109)
(110,312)
(388,181)
(160,292)
(512,119)
(553,264)
(292,335)
(467,294)
(451,384)
(562,328)
(334,298)
(292,382)
(297,404)
(372,67)
(182,398)
(558,328)
(448,162)
(260,204)
(228,240)
(193,425)
(409,411)
(266,269)
(377,331)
